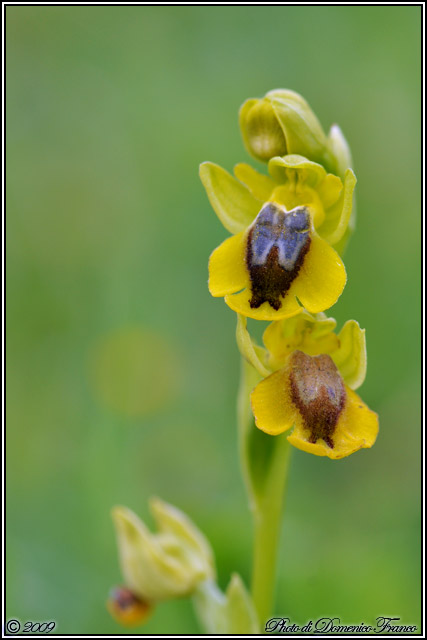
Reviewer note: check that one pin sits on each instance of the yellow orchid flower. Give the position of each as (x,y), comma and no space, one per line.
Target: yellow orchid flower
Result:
(177,561)
(280,256)
(315,373)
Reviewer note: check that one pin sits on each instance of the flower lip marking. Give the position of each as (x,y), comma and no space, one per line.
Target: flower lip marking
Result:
(277,244)
(318,392)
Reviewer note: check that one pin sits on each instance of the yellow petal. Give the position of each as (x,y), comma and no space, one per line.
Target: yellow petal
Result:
(281,337)
(357,428)
(239,302)
(330,190)
(322,325)
(227,266)
(317,326)
(234,205)
(259,185)
(338,216)
(271,403)
(350,357)
(322,277)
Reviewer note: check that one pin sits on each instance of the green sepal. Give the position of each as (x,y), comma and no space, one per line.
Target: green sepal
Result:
(253,353)
(232,202)
(340,150)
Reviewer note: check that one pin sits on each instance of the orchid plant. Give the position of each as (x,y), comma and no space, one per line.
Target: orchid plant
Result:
(282,264)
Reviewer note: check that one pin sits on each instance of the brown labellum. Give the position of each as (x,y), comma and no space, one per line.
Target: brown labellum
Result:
(318,391)
(277,244)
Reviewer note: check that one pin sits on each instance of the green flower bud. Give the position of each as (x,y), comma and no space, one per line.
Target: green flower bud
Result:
(167,564)
(282,123)
(229,613)
(262,134)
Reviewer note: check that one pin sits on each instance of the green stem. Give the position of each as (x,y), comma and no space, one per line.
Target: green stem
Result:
(265,464)
(267,521)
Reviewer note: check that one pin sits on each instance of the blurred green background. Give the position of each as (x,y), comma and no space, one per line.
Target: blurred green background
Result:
(122,371)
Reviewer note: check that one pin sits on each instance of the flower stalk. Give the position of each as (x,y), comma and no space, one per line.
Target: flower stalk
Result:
(265,466)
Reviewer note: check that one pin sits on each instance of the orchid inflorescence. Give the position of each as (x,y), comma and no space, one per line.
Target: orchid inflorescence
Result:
(282,264)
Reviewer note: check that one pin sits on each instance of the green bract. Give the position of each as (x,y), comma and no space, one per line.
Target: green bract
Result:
(227,613)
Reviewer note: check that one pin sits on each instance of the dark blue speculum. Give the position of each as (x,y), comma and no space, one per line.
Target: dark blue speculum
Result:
(277,244)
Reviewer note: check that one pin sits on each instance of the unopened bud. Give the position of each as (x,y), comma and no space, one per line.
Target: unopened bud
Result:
(163,565)
(282,123)
(261,130)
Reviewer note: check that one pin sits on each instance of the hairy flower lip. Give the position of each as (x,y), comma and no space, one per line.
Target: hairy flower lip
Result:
(317,390)
(317,285)
(275,412)
(277,243)
(294,182)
